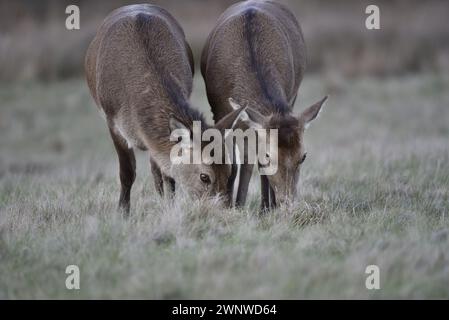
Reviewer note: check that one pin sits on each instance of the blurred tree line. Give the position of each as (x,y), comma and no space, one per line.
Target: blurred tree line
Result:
(414,37)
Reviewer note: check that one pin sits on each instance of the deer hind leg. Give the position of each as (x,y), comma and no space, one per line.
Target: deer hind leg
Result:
(127,162)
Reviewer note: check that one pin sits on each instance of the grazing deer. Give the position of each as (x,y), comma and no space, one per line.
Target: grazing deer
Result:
(256,56)
(139,69)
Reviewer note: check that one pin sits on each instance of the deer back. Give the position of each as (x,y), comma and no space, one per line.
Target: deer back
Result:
(256,55)
(139,70)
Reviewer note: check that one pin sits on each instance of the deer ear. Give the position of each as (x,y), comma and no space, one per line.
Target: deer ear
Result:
(230,120)
(179,130)
(250,117)
(234,104)
(311,112)
(174,124)
(254,119)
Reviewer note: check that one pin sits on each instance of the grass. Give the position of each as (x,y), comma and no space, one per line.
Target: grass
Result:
(374,190)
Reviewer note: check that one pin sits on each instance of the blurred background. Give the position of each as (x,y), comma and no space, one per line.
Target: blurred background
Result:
(414,35)
(373,190)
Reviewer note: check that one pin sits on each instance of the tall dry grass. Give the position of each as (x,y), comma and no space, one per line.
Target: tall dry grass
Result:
(373,190)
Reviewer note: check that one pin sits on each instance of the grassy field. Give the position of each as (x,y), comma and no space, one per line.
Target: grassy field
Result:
(374,190)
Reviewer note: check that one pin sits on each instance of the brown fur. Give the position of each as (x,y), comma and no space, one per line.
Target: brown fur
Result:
(256,55)
(288,128)
(139,70)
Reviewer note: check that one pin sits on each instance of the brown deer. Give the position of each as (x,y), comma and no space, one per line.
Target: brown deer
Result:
(139,69)
(256,56)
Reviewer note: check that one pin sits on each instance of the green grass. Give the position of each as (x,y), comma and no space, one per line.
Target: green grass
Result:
(373,190)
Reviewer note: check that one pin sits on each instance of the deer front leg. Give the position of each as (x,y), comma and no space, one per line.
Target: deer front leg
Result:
(169,186)
(272,197)
(157,177)
(230,184)
(265,193)
(246,171)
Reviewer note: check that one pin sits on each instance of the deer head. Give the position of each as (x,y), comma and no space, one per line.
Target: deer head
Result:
(291,152)
(204,178)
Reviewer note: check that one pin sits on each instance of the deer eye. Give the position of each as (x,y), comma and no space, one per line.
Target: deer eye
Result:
(303,158)
(205,178)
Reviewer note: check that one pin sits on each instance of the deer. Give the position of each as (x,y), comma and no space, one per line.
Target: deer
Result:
(256,56)
(139,69)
